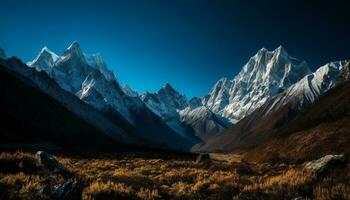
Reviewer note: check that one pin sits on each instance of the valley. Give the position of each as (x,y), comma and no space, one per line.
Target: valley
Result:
(277,130)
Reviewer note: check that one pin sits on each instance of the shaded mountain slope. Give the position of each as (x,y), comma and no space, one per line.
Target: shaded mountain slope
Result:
(31,116)
(323,128)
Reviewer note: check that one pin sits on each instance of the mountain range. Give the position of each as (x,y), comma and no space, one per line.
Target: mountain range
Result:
(237,115)
(76,79)
(277,111)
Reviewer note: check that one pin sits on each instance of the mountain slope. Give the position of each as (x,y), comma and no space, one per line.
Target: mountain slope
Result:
(277,111)
(166,103)
(43,82)
(129,91)
(189,119)
(203,121)
(30,116)
(266,74)
(321,129)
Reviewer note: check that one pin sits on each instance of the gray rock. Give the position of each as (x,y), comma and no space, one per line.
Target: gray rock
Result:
(47,161)
(203,158)
(45,190)
(325,163)
(71,190)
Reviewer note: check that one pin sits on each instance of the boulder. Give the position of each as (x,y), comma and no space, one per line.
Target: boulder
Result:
(326,163)
(203,158)
(45,190)
(71,190)
(47,161)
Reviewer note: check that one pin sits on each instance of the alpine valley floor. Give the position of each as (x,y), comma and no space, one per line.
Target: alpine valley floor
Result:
(164,175)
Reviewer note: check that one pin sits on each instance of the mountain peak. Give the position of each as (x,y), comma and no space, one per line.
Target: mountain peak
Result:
(168,87)
(280,50)
(44,49)
(265,75)
(74,48)
(44,60)
(47,51)
(263,49)
(75,44)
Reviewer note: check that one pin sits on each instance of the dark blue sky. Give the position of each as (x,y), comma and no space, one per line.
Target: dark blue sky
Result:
(189,43)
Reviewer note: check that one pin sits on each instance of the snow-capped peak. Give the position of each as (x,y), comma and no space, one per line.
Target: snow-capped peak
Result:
(311,87)
(87,77)
(218,97)
(74,45)
(44,60)
(74,49)
(266,74)
(165,102)
(281,51)
(168,88)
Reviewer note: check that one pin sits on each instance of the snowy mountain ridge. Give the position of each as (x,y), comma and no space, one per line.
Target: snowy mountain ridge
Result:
(166,102)
(311,87)
(265,75)
(86,76)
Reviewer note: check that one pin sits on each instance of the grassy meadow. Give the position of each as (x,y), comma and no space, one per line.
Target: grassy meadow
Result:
(157,176)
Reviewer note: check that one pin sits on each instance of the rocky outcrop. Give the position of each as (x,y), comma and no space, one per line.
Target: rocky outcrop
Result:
(71,190)
(326,163)
(203,158)
(47,161)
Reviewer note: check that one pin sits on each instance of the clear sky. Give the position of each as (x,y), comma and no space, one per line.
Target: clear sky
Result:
(189,43)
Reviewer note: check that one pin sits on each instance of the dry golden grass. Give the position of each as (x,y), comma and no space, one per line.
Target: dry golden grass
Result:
(132,176)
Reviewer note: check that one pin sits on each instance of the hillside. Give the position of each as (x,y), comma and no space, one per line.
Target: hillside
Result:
(320,129)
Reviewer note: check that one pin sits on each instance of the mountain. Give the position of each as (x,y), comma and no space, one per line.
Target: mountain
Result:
(203,121)
(32,119)
(263,122)
(45,60)
(96,61)
(129,91)
(47,85)
(88,78)
(321,129)
(167,103)
(195,102)
(190,119)
(266,74)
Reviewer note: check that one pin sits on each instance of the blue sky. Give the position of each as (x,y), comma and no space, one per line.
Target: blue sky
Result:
(189,43)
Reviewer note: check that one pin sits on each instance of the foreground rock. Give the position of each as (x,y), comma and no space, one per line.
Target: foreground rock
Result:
(326,163)
(71,190)
(47,161)
(203,158)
